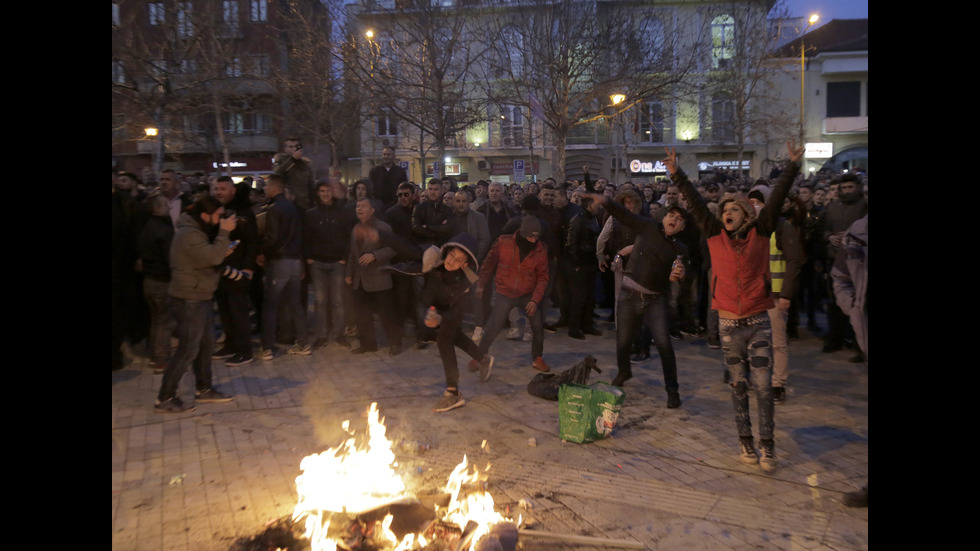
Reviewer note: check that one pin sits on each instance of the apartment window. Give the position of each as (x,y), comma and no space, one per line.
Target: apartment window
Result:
(155,12)
(652,122)
(511,53)
(234,67)
(386,125)
(511,126)
(258,11)
(261,65)
(118,74)
(187,67)
(229,17)
(115,14)
(723,117)
(185,25)
(844,99)
(722,41)
(652,34)
(234,123)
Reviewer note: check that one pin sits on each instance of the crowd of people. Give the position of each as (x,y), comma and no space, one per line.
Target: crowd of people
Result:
(740,263)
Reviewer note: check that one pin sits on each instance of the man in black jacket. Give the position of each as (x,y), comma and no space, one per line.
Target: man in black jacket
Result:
(580,243)
(646,289)
(282,251)
(236,275)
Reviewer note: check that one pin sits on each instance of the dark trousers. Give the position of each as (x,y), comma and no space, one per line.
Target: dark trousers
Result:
(631,309)
(582,300)
(233,306)
(498,316)
(195,330)
(450,335)
(367,304)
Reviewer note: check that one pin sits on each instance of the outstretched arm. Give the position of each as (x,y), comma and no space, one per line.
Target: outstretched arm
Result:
(709,224)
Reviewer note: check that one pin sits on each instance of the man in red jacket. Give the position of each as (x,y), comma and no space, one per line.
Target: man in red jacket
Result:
(518,264)
(741,293)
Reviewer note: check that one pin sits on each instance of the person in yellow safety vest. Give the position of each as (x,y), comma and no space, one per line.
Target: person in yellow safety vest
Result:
(786,259)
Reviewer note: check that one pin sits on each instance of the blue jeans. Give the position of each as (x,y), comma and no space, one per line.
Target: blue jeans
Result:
(282,281)
(329,287)
(631,309)
(195,329)
(498,315)
(748,354)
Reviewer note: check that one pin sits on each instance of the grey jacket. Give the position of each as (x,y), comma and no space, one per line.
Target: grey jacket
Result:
(370,278)
(194,260)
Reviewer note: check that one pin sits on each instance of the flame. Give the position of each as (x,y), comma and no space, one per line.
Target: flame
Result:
(476,506)
(352,479)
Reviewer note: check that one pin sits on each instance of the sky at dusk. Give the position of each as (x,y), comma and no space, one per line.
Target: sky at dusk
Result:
(829,9)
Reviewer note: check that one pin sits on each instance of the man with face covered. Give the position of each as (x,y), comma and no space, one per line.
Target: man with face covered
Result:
(738,242)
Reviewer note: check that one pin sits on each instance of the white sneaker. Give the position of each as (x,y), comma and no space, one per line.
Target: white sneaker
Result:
(514,333)
(528,337)
(477,335)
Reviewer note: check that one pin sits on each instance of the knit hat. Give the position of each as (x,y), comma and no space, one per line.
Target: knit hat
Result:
(530,225)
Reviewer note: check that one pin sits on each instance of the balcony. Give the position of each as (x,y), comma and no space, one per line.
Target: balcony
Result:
(845,125)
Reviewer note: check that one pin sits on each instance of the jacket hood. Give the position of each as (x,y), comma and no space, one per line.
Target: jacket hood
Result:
(467,243)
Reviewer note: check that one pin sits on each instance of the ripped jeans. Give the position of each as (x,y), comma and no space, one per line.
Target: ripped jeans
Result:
(747,346)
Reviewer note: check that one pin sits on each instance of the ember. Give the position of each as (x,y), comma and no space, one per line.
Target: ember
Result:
(361,482)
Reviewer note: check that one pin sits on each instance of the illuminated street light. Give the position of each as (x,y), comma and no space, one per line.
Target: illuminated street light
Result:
(617,98)
(151,132)
(369,34)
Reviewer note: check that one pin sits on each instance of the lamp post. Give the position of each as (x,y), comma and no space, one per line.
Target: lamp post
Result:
(616,99)
(813,19)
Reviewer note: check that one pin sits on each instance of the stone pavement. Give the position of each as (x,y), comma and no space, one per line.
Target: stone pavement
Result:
(669,479)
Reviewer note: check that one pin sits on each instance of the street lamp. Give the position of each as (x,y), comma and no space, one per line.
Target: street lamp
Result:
(813,19)
(616,99)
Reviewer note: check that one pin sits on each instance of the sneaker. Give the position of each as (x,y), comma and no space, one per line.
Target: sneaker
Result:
(477,335)
(300,350)
(514,333)
(540,365)
(212,396)
(449,401)
(160,367)
(239,360)
(266,354)
(550,328)
(528,337)
(640,357)
(714,342)
(857,498)
(778,394)
(690,331)
(748,454)
(768,460)
(676,335)
(173,405)
(673,400)
(223,354)
(485,366)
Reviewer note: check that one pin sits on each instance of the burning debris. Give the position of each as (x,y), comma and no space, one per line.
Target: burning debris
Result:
(351,497)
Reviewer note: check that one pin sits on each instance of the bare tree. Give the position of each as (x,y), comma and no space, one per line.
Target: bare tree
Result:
(420,66)
(745,102)
(564,59)
(154,70)
(322,104)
